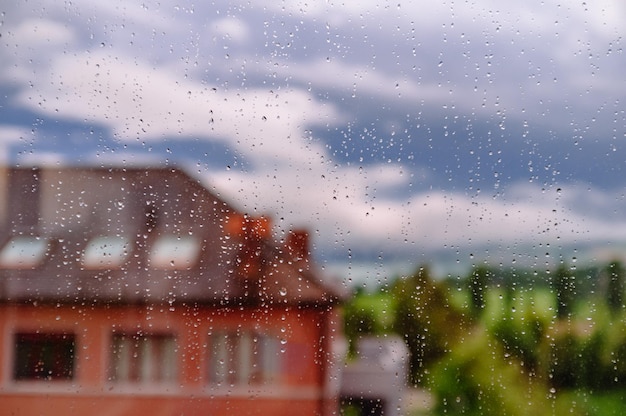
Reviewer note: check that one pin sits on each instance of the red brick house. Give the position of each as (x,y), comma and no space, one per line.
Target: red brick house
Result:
(138,291)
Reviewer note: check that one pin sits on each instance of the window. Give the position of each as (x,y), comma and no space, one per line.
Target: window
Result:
(106,252)
(174,252)
(41,356)
(23,252)
(244,357)
(143,358)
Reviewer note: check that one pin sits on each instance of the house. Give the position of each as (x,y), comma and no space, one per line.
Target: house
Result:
(138,291)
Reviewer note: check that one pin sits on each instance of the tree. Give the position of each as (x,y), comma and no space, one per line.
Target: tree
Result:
(478,281)
(425,319)
(615,286)
(565,291)
(358,322)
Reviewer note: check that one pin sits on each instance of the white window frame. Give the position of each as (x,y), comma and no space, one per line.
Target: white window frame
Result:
(106,251)
(243,357)
(143,358)
(24,252)
(175,252)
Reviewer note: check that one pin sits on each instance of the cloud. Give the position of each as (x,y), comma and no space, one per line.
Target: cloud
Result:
(41,33)
(524,62)
(10,134)
(142,104)
(30,46)
(347,208)
(13,133)
(231,28)
(493,61)
(42,159)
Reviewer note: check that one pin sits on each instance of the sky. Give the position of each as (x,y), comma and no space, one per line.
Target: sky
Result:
(400,133)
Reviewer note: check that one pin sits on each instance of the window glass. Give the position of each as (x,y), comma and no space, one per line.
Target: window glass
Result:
(23,252)
(243,357)
(174,252)
(44,356)
(459,165)
(141,358)
(106,251)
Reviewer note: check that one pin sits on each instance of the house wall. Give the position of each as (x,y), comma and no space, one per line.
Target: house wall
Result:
(301,383)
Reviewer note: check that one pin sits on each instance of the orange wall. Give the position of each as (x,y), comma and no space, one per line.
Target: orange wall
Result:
(150,405)
(90,392)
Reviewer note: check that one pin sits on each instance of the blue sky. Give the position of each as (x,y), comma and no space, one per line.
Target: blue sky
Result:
(400,133)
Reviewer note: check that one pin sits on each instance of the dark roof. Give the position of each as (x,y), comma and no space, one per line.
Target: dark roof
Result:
(138,210)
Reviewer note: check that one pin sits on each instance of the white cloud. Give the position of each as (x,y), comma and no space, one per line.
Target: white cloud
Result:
(41,33)
(345,210)
(30,46)
(51,159)
(160,16)
(231,28)
(10,134)
(519,59)
(603,17)
(359,80)
(141,103)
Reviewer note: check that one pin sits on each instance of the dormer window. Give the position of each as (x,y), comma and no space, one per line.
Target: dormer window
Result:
(173,252)
(104,252)
(24,252)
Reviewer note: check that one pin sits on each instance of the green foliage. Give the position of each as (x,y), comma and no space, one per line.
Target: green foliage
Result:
(367,314)
(585,403)
(564,366)
(584,354)
(476,378)
(615,286)
(478,280)
(360,322)
(614,351)
(426,320)
(521,339)
(565,290)
(349,409)
(545,344)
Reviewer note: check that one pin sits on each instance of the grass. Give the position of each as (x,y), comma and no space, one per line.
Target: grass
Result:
(383,306)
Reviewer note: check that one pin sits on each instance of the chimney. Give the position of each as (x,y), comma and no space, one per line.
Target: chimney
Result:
(297,244)
(24,186)
(235,224)
(253,233)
